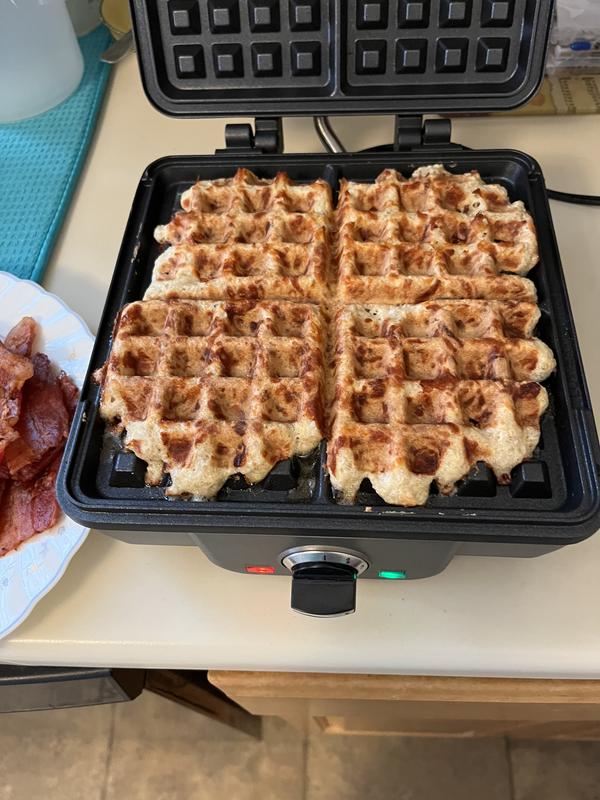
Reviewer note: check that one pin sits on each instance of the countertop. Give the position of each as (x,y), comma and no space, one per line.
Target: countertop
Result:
(127,605)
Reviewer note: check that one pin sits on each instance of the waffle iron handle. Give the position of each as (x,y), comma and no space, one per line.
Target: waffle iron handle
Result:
(324,579)
(324,589)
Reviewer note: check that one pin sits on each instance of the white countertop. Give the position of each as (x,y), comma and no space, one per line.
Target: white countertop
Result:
(126,605)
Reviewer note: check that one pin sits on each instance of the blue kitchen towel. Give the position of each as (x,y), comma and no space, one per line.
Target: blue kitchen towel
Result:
(40,161)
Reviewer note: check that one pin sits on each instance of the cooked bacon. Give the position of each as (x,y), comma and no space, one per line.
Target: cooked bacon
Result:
(26,510)
(26,471)
(70,393)
(42,427)
(7,434)
(44,505)
(14,371)
(36,408)
(20,339)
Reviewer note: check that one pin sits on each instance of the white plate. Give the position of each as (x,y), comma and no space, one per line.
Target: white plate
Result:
(30,571)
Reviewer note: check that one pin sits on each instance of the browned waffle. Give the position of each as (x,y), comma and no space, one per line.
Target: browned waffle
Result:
(264,227)
(434,359)
(247,193)
(433,235)
(203,390)
(472,339)
(424,391)
(277,271)
(394,288)
(244,237)
(404,434)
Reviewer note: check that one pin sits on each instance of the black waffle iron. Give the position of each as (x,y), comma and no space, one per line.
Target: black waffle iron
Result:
(269,59)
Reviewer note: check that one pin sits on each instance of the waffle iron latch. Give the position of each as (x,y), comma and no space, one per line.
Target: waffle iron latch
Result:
(265,137)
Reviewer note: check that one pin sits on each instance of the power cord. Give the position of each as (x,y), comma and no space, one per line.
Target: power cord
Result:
(577,199)
(331,142)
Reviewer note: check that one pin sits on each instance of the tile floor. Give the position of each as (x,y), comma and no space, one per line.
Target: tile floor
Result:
(152,749)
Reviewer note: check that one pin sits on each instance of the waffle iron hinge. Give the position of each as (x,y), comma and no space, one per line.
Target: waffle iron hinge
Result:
(413,132)
(265,137)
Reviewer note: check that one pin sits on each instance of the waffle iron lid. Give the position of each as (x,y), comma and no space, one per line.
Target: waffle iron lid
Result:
(201,58)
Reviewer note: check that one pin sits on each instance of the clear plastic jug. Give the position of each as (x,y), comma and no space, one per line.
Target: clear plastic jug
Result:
(40,59)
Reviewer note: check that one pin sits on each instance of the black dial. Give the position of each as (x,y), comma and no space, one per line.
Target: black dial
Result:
(323,588)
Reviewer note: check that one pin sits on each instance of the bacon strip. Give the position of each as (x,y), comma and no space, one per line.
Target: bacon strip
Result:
(25,511)
(36,408)
(70,393)
(20,339)
(42,427)
(14,371)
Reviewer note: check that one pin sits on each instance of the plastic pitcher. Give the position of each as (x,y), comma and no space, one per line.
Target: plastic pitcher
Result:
(40,60)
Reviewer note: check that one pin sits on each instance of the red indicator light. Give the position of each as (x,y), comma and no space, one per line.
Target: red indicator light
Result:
(260,570)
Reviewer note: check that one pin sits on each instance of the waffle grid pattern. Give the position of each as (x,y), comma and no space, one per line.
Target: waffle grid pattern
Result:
(204,390)
(292,271)
(206,43)
(408,240)
(247,237)
(447,339)
(411,410)
(221,370)
(252,55)
(430,41)
(404,435)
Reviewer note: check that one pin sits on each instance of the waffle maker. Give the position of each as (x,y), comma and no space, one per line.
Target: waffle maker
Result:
(269,59)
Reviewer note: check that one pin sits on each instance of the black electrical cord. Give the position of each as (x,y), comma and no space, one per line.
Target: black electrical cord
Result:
(577,199)
(553,194)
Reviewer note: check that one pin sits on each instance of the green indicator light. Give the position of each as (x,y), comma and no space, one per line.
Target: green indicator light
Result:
(400,575)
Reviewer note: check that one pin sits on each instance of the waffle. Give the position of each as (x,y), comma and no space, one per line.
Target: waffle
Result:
(403,434)
(432,360)
(264,227)
(469,339)
(244,237)
(417,288)
(204,390)
(246,193)
(422,392)
(284,271)
(435,235)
